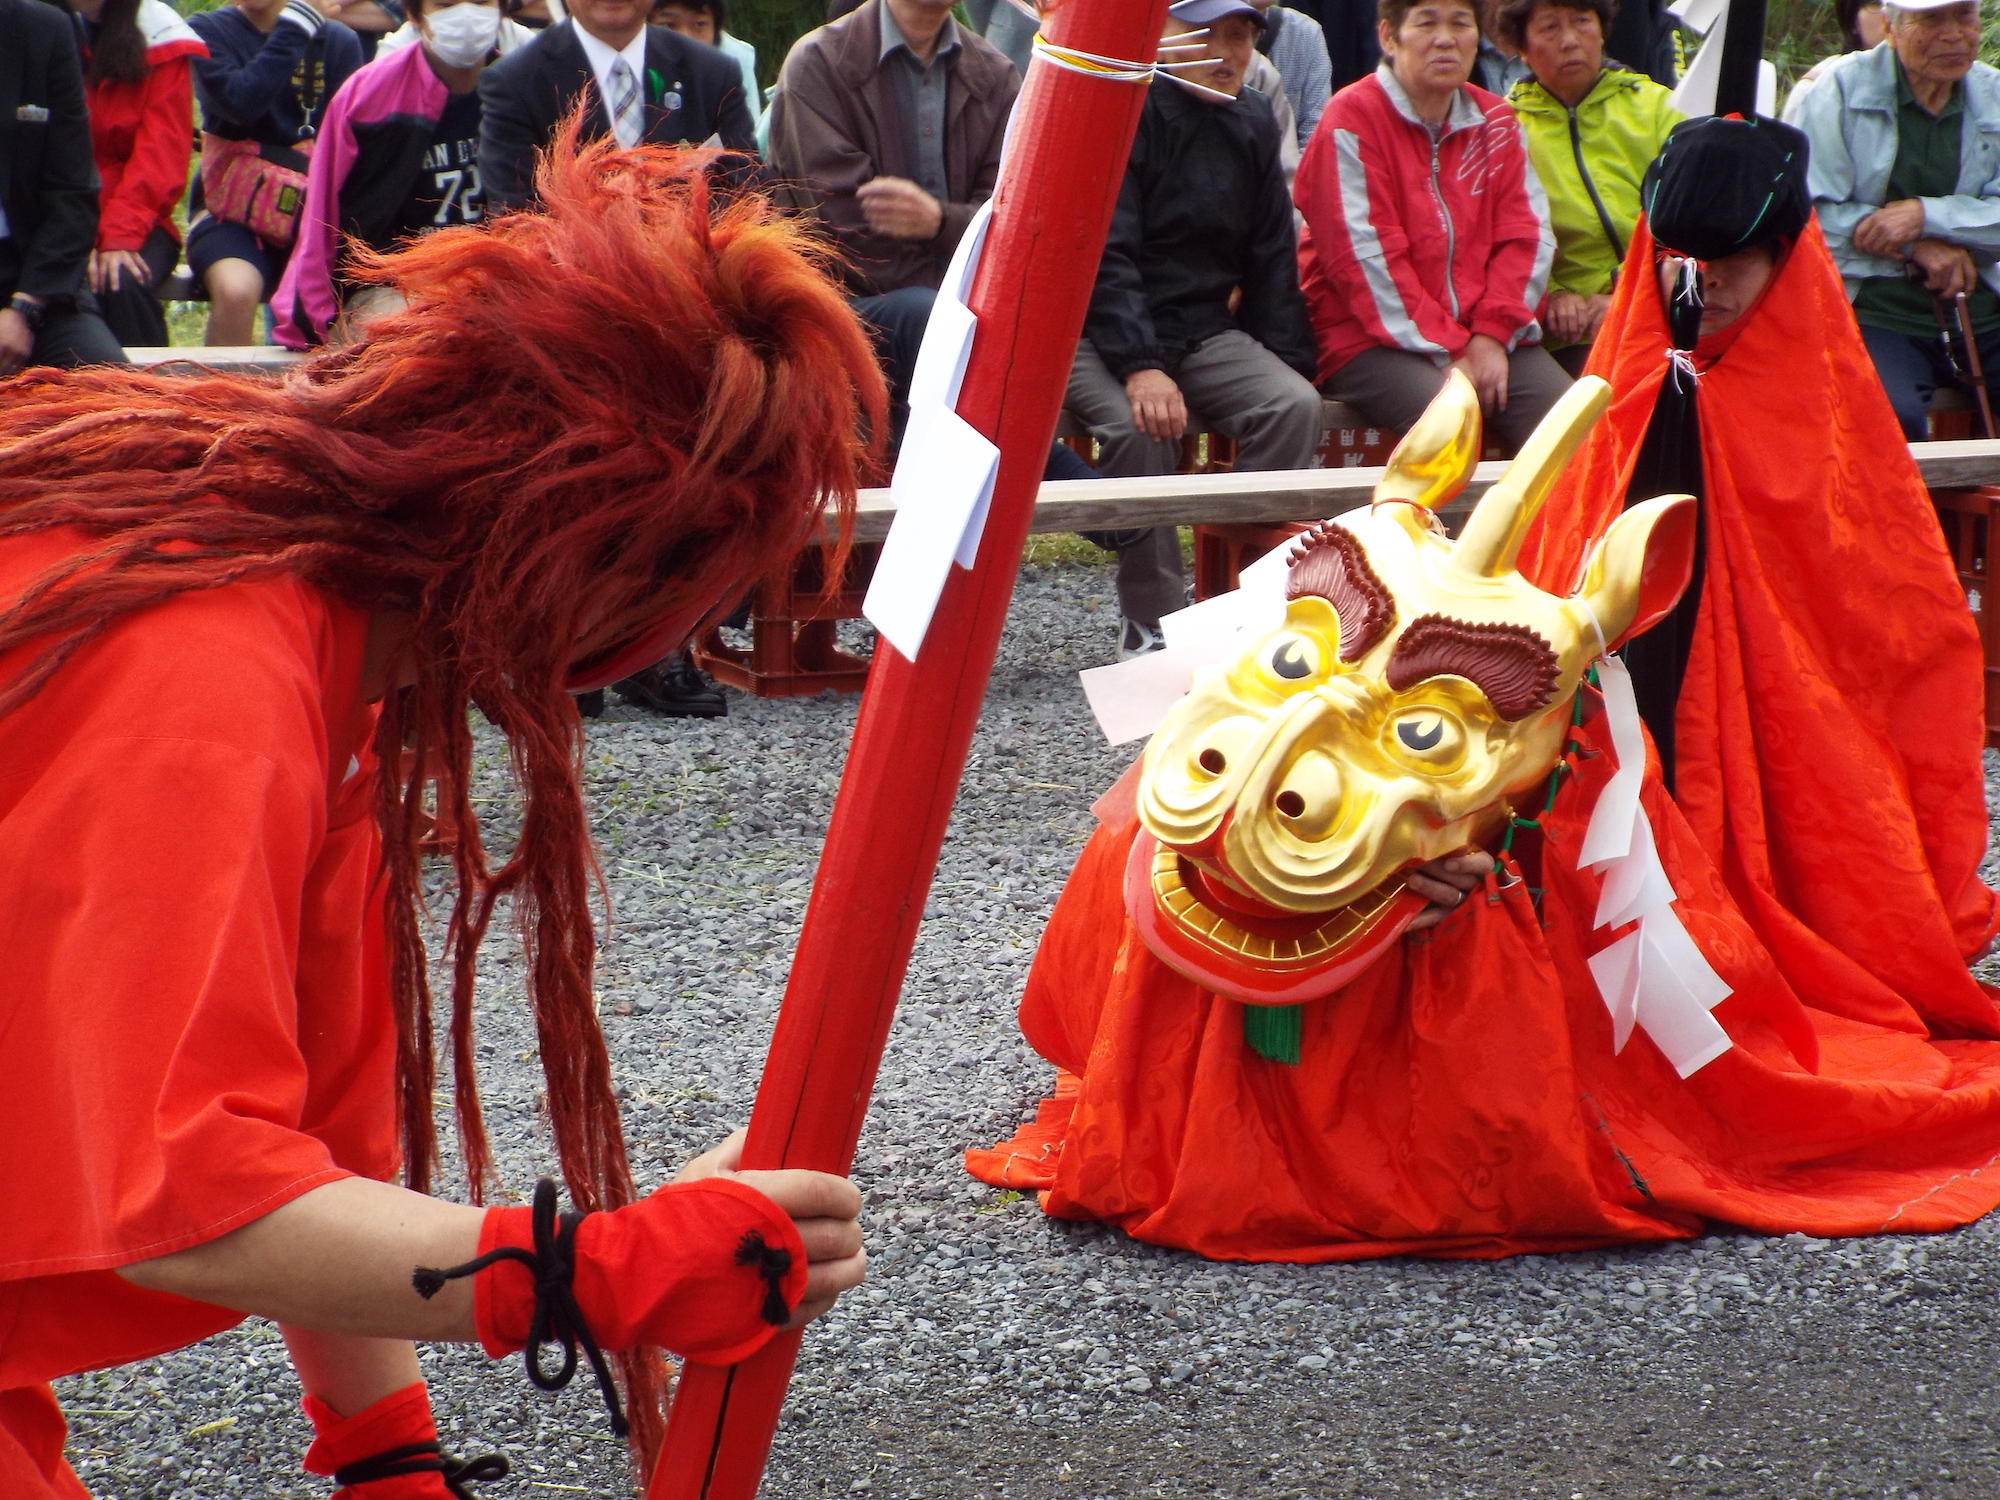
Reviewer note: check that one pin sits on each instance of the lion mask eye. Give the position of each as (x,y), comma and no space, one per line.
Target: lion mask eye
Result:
(1293,659)
(1429,736)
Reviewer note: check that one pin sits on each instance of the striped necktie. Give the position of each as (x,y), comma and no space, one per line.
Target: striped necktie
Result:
(625,122)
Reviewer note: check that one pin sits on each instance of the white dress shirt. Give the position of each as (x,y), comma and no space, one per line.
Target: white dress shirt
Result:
(602,56)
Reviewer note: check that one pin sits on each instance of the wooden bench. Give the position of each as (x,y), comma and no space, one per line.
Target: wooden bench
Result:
(245,359)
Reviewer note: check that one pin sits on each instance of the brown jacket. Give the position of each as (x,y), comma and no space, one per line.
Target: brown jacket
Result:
(835,125)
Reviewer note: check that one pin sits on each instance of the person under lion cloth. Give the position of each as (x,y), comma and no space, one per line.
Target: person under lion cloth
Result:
(1775,1026)
(226,609)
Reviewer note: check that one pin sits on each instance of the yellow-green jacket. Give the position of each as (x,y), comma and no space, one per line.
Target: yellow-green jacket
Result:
(1590,161)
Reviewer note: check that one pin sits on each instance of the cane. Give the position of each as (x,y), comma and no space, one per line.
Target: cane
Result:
(1972,360)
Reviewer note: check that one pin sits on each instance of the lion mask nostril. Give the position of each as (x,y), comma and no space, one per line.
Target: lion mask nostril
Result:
(1291,804)
(1213,761)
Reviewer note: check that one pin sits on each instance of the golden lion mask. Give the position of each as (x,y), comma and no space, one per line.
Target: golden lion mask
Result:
(1416,687)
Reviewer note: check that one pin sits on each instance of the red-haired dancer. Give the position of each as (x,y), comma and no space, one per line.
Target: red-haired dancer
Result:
(225,609)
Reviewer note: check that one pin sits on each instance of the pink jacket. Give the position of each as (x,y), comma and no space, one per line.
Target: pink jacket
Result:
(1414,243)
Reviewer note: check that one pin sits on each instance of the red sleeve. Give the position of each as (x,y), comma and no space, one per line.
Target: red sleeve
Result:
(191,1037)
(1517,271)
(1362,244)
(156,174)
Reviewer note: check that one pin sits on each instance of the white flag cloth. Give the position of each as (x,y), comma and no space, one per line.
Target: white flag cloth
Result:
(1655,976)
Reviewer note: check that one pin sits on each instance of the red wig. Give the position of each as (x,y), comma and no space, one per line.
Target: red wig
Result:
(611,413)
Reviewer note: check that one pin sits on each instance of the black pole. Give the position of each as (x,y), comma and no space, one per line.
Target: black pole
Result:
(1742,51)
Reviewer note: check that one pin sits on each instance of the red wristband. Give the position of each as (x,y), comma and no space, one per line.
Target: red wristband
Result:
(708,1269)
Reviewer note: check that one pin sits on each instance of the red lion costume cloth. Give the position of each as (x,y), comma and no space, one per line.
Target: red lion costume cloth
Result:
(1464,1095)
(216,999)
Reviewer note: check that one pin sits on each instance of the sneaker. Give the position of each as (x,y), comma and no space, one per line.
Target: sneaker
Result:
(1137,638)
(590,705)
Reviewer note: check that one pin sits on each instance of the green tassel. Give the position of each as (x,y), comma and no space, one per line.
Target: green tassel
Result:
(1272,1031)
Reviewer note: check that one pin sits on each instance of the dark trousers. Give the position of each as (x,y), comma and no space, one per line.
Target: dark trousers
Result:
(131,310)
(72,333)
(1913,366)
(1392,387)
(897,320)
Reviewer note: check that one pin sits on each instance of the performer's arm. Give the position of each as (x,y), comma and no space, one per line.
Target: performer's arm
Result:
(339,1259)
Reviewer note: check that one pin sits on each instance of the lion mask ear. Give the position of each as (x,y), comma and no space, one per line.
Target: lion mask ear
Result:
(1638,571)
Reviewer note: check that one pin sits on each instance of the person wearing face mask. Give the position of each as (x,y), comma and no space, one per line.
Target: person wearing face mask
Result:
(398,157)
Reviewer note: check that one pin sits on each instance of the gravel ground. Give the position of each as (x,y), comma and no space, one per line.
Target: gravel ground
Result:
(995,1353)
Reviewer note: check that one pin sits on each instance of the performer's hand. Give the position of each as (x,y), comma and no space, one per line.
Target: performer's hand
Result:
(825,1208)
(1445,882)
(17,342)
(1158,408)
(899,209)
(1485,365)
(1947,268)
(1891,228)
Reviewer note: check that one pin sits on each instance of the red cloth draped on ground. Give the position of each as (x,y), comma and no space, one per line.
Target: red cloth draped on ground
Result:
(1830,724)
(194,1022)
(1462,1099)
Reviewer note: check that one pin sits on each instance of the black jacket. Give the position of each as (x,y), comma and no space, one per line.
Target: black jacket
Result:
(48,180)
(1202,211)
(524,96)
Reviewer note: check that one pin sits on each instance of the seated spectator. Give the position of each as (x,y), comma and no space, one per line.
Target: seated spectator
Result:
(272,65)
(48,197)
(1592,130)
(1263,76)
(1907,186)
(1296,47)
(1861,27)
(1010,25)
(398,157)
(1499,65)
(645,84)
(887,124)
(707,22)
(141,96)
(642,84)
(1201,216)
(1428,245)
(1347,28)
(516,31)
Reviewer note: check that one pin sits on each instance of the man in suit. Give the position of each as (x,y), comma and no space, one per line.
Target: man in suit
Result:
(48,197)
(644,83)
(641,83)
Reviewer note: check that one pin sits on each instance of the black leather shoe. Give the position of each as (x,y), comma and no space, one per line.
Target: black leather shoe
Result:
(675,688)
(590,705)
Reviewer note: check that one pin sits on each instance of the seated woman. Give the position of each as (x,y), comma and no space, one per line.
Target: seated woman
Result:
(398,156)
(1592,129)
(272,65)
(1426,247)
(136,70)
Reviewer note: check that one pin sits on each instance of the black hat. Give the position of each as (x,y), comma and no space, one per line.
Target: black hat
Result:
(1721,185)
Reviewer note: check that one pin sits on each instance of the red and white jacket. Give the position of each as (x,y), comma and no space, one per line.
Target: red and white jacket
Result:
(1418,242)
(141,133)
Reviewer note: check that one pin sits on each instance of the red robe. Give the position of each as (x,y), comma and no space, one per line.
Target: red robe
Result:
(1461,1098)
(1830,725)
(194,1023)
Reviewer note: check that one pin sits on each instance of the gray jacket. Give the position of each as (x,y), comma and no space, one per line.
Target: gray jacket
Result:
(1850,119)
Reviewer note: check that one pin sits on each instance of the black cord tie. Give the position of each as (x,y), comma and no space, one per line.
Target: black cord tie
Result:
(424,1458)
(557,1320)
(774,1266)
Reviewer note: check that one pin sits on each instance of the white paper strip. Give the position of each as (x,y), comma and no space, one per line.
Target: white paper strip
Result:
(1655,976)
(1130,698)
(943,484)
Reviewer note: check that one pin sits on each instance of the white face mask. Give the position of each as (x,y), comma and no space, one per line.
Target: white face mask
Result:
(462,35)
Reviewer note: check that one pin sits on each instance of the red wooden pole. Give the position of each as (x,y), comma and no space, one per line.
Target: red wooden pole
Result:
(1052,209)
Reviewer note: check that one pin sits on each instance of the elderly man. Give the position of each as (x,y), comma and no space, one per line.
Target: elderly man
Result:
(1905,174)
(1202,214)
